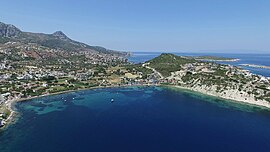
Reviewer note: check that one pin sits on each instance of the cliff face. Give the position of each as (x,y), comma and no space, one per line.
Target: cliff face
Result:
(8,30)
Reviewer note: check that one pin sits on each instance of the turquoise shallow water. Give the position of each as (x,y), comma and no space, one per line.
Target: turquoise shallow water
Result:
(139,119)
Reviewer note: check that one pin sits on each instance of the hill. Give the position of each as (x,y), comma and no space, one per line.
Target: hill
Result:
(220,80)
(167,63)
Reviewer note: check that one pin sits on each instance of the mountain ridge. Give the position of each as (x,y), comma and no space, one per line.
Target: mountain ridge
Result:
(56,40)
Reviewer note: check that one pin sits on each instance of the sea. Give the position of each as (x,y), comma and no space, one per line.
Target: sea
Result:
(139,119)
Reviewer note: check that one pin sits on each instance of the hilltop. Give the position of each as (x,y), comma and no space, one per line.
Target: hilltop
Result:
(167,63)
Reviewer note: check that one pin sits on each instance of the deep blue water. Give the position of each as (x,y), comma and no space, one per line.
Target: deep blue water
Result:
(258,59)
(141,119)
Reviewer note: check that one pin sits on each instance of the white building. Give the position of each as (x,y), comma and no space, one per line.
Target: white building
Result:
(1,99)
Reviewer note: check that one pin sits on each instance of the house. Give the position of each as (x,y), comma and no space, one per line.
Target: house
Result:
(82,76)
(2,123)
(44,85)
(264,79)
(5,94)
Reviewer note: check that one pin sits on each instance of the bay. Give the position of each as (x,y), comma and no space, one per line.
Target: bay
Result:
(139,119)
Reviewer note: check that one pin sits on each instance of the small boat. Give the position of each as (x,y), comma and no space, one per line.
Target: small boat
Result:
(112,100)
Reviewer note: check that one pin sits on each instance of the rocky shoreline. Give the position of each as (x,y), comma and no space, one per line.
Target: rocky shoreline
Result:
(230,95)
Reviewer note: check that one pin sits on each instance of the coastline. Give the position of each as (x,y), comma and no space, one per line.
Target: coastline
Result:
(14,113)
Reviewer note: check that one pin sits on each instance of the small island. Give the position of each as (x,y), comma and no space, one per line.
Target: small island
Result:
(256,66)
(215,58)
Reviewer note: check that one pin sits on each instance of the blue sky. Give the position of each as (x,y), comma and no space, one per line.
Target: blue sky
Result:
(150,25)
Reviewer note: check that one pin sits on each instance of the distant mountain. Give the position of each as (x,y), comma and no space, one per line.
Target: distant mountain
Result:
(60,35)
(57,40)
(8,30)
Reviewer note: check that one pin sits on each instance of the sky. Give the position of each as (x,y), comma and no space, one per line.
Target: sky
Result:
(221,26)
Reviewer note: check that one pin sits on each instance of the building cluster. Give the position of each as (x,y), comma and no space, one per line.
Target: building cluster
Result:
(22,51)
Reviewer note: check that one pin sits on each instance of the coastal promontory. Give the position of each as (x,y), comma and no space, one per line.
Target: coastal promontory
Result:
(225,81)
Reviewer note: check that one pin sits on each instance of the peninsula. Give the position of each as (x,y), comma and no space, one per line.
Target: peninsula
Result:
(225,81)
